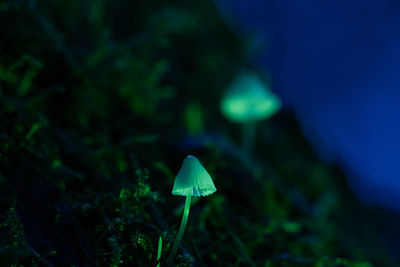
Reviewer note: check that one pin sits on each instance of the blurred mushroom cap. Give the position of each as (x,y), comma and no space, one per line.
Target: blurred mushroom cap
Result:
(249,99)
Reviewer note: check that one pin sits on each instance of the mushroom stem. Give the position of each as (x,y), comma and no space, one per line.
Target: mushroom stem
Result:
(181,230)
(249,128)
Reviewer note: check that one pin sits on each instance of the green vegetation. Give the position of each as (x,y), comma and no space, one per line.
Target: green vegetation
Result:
(97,100)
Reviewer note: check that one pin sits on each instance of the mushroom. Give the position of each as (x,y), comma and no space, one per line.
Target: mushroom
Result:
(191,180)
(248,100)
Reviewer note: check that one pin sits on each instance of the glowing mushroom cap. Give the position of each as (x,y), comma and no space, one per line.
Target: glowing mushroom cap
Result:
(193,179)
(249,99)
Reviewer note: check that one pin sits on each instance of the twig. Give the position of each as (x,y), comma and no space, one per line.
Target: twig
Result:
(78,234)
(293,259)
(240,245)
(34,252)
(57,40)
(197,252)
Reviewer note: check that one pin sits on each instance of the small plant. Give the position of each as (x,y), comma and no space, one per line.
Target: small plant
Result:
(159,251)
(191,180)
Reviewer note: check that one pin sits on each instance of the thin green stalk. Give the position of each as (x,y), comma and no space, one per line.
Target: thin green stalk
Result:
(159,251)
(181,230)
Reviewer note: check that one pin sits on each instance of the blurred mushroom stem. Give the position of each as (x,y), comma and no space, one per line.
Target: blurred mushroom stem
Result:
(249,129)
(181,230)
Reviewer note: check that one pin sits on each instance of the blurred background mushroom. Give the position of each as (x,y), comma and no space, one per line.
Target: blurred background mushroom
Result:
(247,101)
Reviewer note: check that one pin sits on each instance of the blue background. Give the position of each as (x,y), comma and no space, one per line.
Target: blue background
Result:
(337,64)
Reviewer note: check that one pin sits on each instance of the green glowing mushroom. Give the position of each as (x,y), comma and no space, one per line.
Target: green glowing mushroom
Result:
(191,180)
(247,100)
